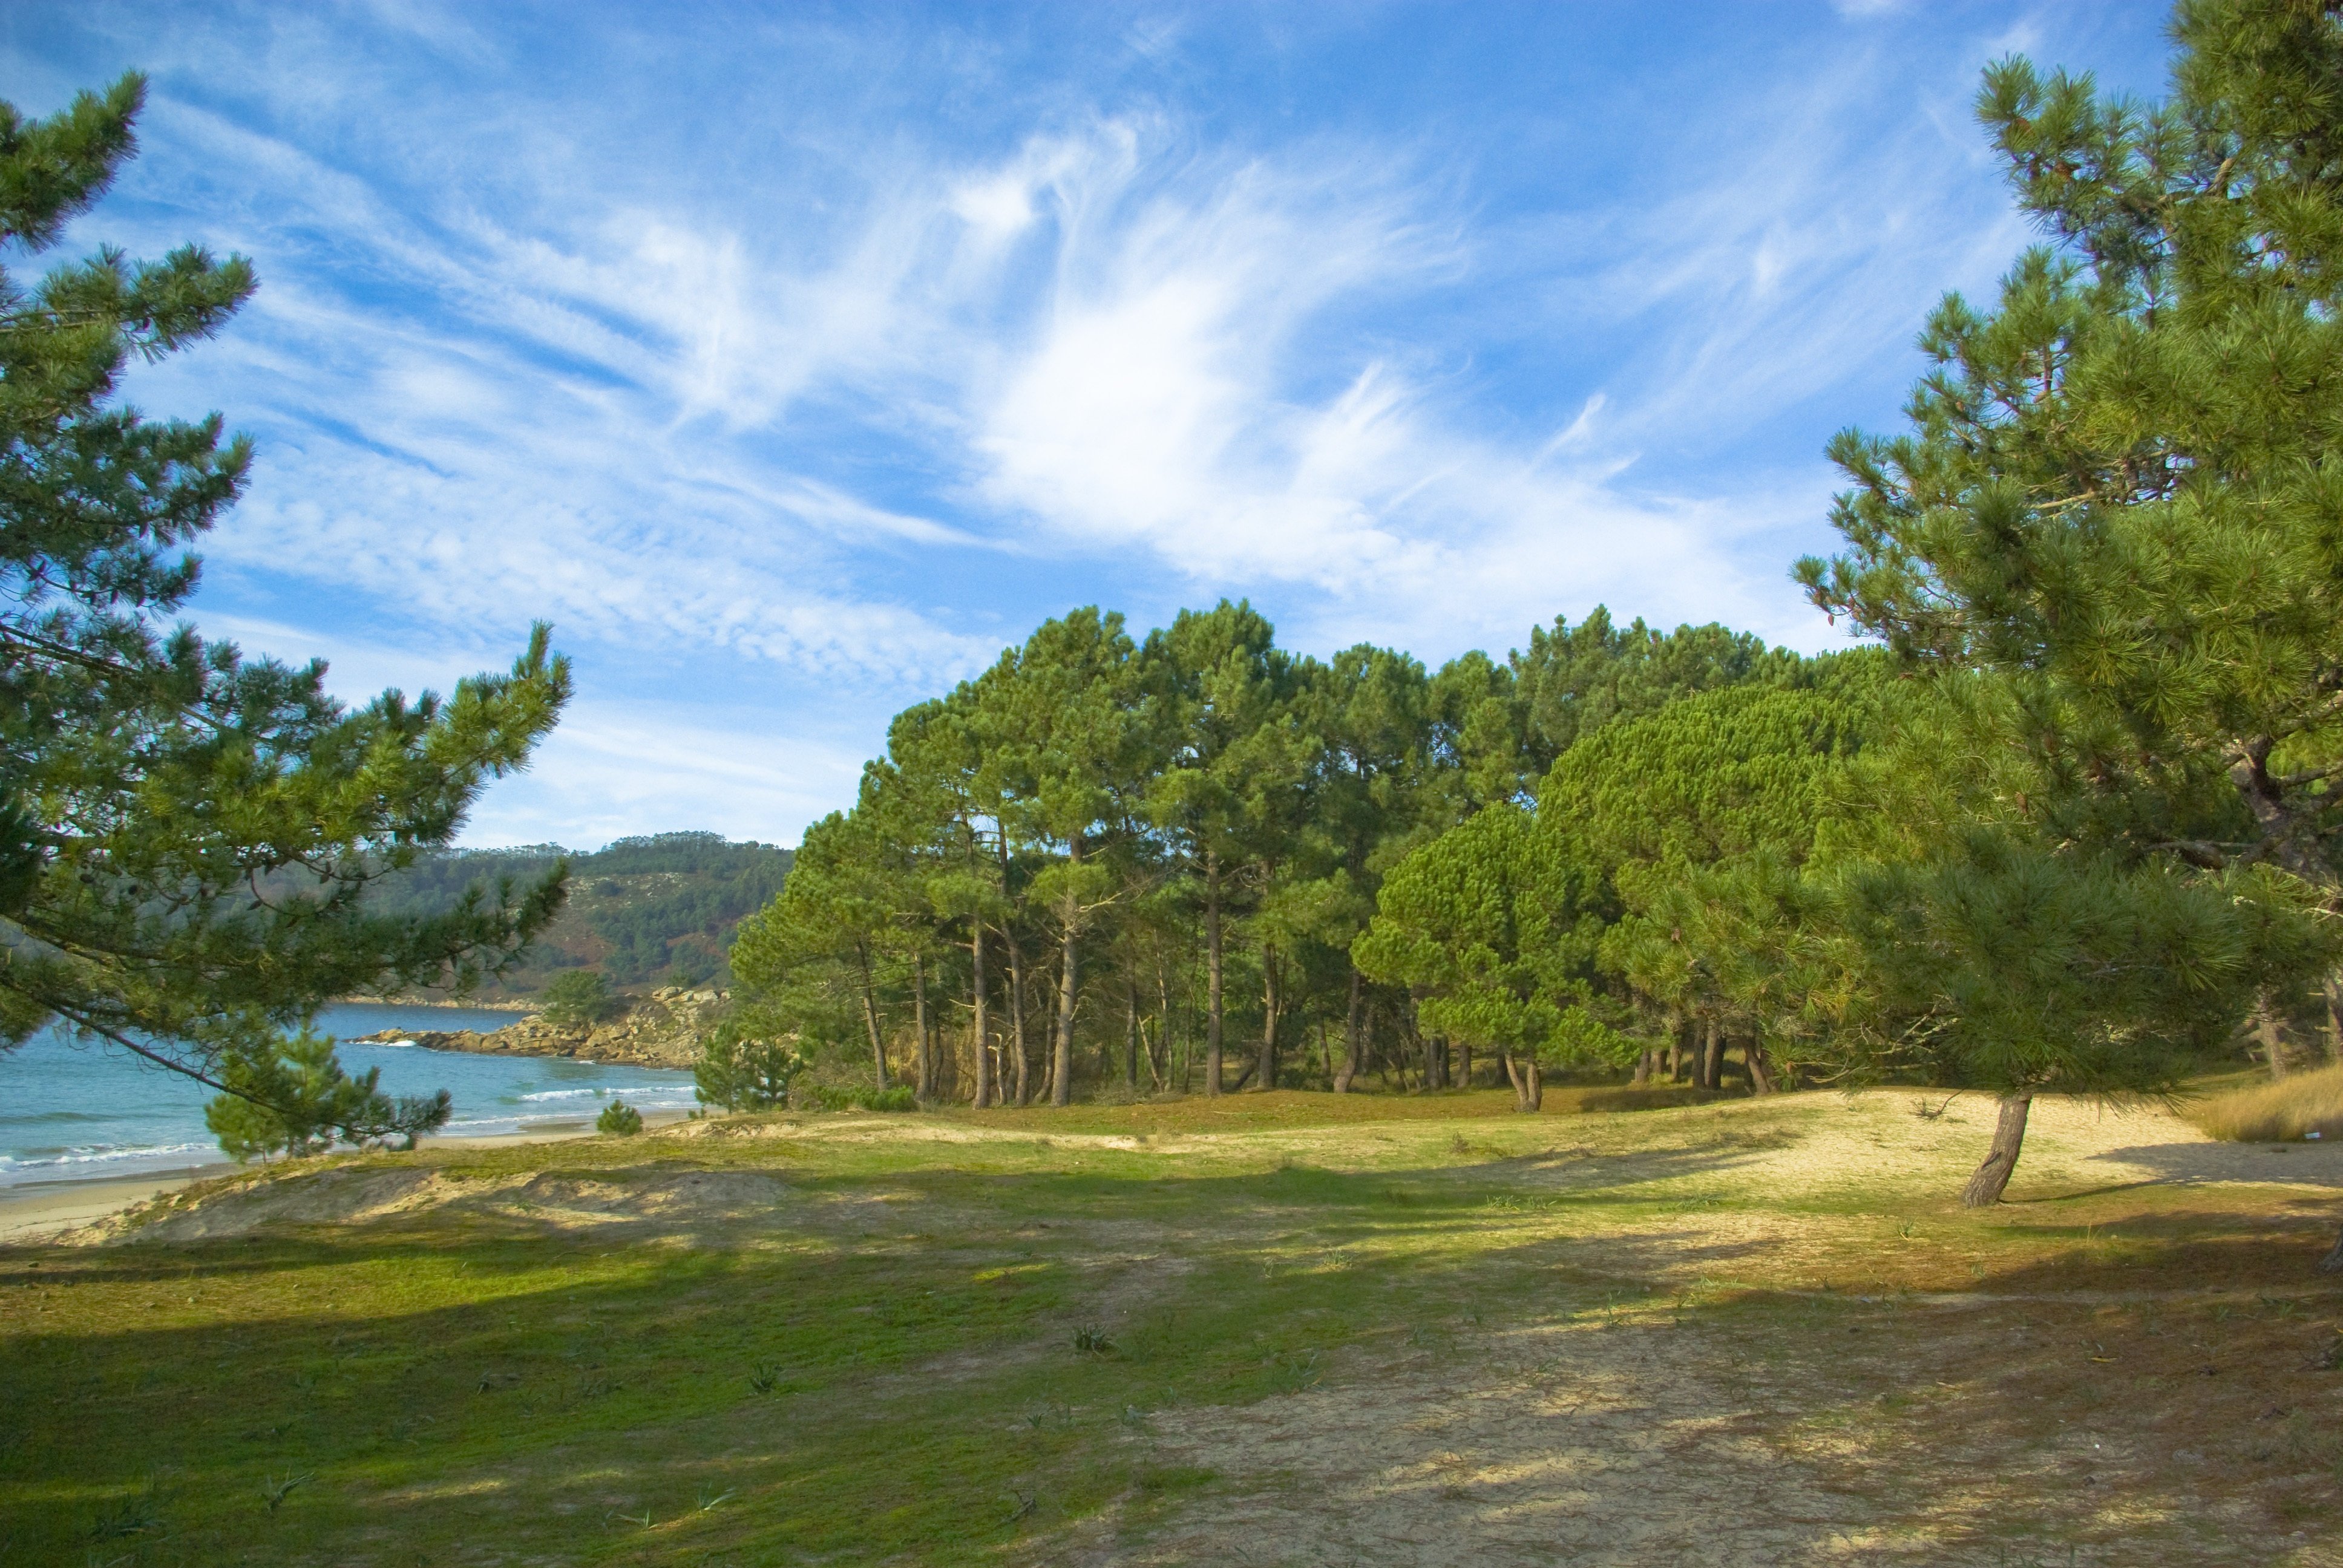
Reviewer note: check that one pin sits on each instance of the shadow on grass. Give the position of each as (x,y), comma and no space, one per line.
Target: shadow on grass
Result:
(470,1382)
(2311,1164)
(454,1378)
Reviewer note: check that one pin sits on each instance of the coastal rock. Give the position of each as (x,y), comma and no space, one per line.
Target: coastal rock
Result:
(661,1029)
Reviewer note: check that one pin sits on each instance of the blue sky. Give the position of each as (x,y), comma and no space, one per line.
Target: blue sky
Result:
(793,359)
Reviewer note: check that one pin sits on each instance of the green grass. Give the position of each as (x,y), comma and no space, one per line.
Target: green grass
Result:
(925,1350)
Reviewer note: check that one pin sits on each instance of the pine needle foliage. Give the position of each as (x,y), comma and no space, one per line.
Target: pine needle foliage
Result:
(2109,548)
(2119,498)
(184,832)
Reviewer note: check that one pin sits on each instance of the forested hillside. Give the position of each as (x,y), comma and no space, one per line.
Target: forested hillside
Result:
(656,909)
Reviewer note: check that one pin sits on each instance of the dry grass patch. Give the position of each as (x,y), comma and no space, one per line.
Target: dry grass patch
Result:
(2306,1106)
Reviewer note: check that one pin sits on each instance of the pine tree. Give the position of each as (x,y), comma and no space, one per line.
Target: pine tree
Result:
(298,1101)
(1700,819)
(741,1071)
(2114,535)
(1490,924)
(185,834)
(1227,691)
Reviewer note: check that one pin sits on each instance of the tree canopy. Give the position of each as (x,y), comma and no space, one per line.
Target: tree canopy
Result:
(1164,842)
(2110,543)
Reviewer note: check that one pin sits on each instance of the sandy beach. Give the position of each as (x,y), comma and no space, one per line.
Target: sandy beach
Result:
(33,1212)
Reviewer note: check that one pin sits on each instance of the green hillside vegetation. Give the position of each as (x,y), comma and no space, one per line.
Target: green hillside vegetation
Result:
(658,910)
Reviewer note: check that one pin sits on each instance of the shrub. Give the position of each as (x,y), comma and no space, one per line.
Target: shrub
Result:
(620,1118)
(746,1074)
(578,998)
(2277,1113)
(831,1096)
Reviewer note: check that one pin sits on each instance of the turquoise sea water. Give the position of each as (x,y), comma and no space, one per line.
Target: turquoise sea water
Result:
(71,1112)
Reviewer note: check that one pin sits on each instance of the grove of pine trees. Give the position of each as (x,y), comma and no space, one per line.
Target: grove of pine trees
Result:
(1200,862)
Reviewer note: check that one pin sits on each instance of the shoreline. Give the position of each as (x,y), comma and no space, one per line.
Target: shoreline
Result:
(32,1212)
(512,1007)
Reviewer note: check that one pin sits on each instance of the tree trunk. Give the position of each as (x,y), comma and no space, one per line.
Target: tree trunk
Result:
(1463,1064)
(1985,1187)
(1022,1068)
(1675,1053)
(1016,986)
(983,1095)
(1761,1077)
(1163,1031)
(1266,1067)
(927,1065)
(2334,988)
(1712,1057)
(1061,1056)
(1211,973)
(2266,1031)
(870,1016)
(1644,1066)
(1070,968)
(1350,1041)
(1535,1099)
(1518,1079)
(1131,1037)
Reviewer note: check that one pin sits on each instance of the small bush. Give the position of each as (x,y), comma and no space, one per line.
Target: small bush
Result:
(2282,1111)
(831,1096)
(620,1118)
(743,1074)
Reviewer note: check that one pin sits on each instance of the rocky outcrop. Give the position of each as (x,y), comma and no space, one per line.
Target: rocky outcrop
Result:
(661,1029)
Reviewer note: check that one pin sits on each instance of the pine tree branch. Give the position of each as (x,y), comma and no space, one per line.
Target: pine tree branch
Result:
(83,1021)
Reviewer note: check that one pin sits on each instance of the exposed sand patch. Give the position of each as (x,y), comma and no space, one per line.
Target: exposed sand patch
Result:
(1877,1143)
(565,1202)
(1644,1443)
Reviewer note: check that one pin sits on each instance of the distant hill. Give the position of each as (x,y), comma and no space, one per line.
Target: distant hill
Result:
(653,910)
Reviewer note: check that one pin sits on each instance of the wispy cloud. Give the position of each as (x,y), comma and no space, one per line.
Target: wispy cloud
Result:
(793,365)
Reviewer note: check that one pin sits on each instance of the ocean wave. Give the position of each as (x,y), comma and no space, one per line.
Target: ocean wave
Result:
(103,1156)
(563,1093)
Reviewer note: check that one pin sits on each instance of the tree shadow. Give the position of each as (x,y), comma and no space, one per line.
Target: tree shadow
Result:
(2312,1164)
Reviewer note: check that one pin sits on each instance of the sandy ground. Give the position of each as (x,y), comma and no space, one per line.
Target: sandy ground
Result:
(43,1210)
(1869,1144)
(35,1211)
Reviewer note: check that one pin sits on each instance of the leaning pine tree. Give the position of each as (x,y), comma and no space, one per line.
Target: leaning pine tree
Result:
(186,835)
(2114,539)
